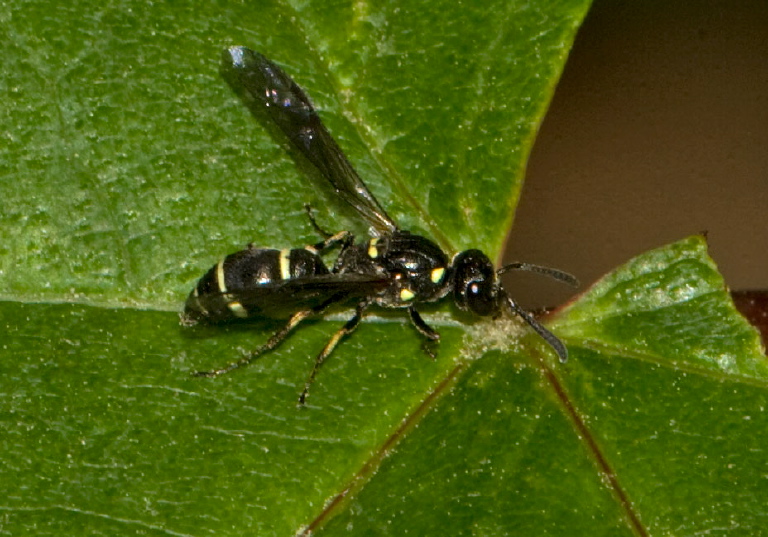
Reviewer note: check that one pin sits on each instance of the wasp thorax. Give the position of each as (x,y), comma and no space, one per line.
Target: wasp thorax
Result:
(416,265)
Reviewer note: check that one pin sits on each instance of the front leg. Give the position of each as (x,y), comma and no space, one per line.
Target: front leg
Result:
(426,330)
(432,335)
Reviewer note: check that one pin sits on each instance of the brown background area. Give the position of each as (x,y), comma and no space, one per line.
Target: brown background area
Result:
(658,130)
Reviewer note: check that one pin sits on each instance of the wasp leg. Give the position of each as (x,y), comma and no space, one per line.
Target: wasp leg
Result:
(311,216)
(432,335)
(348,328)
(276,338)
(343,238)
(421,325)
(271,343)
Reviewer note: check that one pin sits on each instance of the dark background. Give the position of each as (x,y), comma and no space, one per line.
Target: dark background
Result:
(657,130)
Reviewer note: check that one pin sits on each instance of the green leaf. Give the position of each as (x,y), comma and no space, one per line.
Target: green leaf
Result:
(638,309)
(129,168)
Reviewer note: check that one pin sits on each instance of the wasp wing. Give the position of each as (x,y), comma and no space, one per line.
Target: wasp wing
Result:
(281,299)
(310,292)
(261,82)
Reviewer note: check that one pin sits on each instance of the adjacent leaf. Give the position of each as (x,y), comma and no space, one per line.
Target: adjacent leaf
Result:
(638,310)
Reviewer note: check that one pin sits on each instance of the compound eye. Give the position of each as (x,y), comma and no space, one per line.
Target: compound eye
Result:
(481,297)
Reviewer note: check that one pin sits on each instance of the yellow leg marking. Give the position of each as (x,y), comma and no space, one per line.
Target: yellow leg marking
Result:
(297,318)
(333,342)
(338,237)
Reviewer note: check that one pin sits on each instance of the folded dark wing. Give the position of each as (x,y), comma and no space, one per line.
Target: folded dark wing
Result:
(258,79)
(284,298)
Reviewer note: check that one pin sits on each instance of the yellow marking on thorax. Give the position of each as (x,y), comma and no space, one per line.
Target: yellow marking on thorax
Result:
(437,275)
(373,251)
(406,295)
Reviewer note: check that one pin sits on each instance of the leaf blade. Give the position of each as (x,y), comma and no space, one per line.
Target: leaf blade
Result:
(637,307)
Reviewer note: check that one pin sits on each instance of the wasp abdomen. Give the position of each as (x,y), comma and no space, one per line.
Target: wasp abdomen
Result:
(250,273)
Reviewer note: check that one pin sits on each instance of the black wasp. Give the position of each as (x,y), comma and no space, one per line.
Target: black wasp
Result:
(395,269)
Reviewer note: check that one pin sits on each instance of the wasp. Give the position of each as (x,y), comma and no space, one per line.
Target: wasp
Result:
(392,269)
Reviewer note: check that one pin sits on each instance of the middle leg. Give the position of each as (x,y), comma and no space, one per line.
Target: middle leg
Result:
(348,328)
(432,335)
